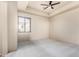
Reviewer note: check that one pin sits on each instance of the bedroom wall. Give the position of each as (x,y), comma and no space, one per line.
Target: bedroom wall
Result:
(65,26)
(8,27)
(39,28)
(12,26)
(3,28)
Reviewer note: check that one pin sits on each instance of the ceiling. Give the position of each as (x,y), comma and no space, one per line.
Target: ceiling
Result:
(34,7)
(37,5)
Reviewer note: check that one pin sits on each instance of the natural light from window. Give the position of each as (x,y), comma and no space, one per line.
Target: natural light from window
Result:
(24,24)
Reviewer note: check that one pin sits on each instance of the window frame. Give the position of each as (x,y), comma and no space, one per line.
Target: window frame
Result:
(24,25)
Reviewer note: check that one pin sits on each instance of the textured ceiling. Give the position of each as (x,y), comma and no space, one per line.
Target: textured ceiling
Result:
(35,7)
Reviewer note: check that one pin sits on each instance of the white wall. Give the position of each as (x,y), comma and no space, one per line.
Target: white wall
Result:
(3,28)
(12,26)
(39,28)
(8,27)
(65,26)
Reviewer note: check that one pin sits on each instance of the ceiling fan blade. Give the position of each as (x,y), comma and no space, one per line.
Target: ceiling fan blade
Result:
(55,3)
(52,7)
(50,2)
(44,5)
(45,8)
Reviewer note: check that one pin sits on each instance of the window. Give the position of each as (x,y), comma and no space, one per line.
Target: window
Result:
(24,24)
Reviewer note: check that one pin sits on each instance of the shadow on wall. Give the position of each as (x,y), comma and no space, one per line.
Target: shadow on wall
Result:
(24,37)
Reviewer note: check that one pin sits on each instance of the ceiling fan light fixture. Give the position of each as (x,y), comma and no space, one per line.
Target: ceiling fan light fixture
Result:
(50,5)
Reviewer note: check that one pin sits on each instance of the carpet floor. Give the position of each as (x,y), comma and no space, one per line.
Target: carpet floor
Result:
(45,48)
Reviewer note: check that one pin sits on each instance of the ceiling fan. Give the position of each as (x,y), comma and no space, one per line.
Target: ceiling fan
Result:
(50,5)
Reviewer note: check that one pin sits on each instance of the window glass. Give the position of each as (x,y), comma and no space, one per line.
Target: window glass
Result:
(24,24)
